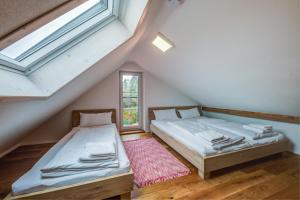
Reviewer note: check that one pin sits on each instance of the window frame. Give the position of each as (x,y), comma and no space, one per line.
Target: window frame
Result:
(62,31)
(84,29)
(140,99)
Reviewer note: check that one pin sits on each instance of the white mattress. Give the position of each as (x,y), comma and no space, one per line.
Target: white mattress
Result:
(32,181)
(197,144)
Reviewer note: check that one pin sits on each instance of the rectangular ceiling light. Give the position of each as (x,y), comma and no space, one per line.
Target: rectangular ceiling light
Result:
(162,42)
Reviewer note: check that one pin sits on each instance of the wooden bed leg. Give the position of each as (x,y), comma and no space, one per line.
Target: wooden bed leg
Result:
(126,196)
(203,175)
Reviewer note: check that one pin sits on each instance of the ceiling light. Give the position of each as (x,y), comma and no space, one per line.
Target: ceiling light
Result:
(162,42)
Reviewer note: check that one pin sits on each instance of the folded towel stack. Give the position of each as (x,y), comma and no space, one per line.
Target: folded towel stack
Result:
(99,152)
(100,143)
(94,156)
(219,141)
(215,138)
(228,142)
(258,128)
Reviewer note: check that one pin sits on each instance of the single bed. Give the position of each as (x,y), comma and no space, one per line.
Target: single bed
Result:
(207,159)
(97,184)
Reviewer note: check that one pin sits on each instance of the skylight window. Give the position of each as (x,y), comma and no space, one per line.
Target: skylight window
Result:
(53,38)
(21,46)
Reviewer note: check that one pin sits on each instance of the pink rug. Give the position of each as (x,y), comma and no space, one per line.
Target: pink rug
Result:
(152,163)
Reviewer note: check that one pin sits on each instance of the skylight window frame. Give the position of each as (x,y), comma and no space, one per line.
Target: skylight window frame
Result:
(31,62)
(63,30)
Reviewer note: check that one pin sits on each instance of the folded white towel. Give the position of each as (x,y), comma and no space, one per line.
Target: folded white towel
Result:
(89,159)
(222,141)
(228,142)
(83,160)
(100,149)
(59,172)
(261,126)
(256,130)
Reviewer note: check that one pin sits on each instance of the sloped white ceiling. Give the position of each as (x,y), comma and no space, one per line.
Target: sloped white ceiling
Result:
(232,53)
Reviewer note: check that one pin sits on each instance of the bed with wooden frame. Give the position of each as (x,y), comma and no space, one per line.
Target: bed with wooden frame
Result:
(101,188)
(208,164)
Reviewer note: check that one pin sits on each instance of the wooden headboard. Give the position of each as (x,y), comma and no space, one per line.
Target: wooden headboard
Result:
(76,115)
(151,115)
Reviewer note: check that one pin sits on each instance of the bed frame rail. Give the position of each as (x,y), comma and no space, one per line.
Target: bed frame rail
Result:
(97,189)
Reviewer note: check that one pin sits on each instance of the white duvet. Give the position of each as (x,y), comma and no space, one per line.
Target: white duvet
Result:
(32,181)
(66,162)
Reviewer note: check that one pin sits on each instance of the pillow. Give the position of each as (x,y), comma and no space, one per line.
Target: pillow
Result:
(169,114)
(95,119)
(189,113)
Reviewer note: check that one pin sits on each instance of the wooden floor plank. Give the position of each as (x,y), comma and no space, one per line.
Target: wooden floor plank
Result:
(231,186)
(264,189)
(274,177)
(292,191)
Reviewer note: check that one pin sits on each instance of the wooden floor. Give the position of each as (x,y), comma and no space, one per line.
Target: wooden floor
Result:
(275,177)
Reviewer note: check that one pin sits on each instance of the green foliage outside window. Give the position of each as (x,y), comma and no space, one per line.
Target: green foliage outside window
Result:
(130,116)
(130,100)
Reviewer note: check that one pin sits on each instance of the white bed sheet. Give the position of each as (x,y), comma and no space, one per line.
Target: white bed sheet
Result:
(197,144)
(66,161)
(32,181)
(231,127)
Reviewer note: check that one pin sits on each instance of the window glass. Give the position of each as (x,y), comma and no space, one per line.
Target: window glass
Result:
(130,100)
(54,29)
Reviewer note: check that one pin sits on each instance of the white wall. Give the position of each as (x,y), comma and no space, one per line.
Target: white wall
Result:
(236,54)
(291,131)
(106,95)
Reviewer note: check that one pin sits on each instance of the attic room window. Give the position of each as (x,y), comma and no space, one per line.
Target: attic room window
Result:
(131,100)
(55,37)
